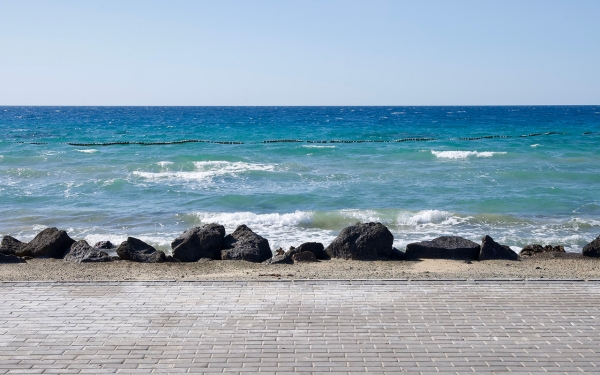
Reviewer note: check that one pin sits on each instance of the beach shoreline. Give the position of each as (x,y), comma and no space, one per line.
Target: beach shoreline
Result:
(566,266)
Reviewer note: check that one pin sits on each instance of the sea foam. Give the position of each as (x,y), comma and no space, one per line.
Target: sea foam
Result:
(206,170)
(465,154)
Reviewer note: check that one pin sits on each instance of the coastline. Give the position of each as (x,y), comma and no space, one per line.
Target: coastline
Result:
(567,266)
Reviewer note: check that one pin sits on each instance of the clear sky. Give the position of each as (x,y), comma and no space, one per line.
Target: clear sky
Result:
(326,52)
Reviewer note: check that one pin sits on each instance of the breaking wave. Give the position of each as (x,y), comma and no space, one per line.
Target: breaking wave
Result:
(465,154)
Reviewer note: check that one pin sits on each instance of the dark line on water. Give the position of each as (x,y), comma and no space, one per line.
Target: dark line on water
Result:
(101,144)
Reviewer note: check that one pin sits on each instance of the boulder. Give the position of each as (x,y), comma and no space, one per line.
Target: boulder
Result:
(316,248)
(139,251)
(49,243)
(539,250)
(199,242)
(362,242)
(592,249)
(445,247)
(279,259)
(7,258)
(244,244)
(10,245)
(104,245)
(397,254)
(304,256)
(82,252)
(490,249)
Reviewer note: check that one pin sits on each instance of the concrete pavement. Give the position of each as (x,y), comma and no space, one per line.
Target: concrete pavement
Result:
(302,327)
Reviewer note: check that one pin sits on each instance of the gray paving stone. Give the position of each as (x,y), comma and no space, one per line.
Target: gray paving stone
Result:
(313,327)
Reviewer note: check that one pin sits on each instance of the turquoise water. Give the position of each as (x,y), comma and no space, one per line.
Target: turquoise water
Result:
(519,174)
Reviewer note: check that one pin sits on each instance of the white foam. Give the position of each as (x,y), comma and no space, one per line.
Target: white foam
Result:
(164,163)
(465,154)
(536,145)
(424,217)
(88,150)
(250,219)
(206,170)
(316,146)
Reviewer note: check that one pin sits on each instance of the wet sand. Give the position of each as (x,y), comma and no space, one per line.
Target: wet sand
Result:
(568,266)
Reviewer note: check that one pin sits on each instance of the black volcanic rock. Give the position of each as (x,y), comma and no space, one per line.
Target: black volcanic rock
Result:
(11,245)
(82,252)
(138,251)
(445,247)
(106,245)
(366,241)
(490,249)
(592,249)
(539,250)
(49,243)
(199,242)
(244,244)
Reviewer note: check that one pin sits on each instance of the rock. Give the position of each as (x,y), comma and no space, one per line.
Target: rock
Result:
(82,252)
(139,251)
(490,249)
(170,259)
(304,256)
(279,259)
(244,244)
(49,243)
(8,258)
(592,249)
(199,242)
(10,245)
(362,242)
(445,247)
(397,254)
(316,248)
(104,245)
(535,249)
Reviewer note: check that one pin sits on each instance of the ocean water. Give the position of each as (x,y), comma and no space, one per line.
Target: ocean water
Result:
(520,174)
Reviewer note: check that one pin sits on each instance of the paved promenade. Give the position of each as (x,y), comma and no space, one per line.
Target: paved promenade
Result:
(314,327)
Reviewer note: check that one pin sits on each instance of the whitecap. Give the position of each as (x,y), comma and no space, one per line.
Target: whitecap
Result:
(465,154)
(317,146)
(206,170)
(250,218)
(88,151)
(164,163)
(536,145)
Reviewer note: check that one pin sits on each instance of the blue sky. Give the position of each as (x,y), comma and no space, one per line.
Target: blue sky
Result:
(307,52)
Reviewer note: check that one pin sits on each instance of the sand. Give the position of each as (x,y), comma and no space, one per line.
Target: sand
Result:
(568,266)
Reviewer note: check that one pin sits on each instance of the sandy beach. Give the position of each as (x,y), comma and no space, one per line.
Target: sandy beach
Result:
(567,266)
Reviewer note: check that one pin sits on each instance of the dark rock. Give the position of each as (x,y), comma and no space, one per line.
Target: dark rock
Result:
(244,244)
(7,258)
(170,259)
(49,243)
(107,245)
(82,252)
(362,242)
(535,249)
(10,245)
(445,247)
(279,259)
(139,251)
(490,249)
(316,248)
(592,249)
(397,254)
(199,242)
(305,256)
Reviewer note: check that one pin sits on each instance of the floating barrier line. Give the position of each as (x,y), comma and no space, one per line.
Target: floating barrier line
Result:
(100,144)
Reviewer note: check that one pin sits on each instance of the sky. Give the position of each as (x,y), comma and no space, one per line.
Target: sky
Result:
(326,52)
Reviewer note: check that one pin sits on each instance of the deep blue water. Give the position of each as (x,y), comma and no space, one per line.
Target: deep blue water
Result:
(520,174)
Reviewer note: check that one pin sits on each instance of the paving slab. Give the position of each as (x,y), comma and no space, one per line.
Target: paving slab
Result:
(316,327)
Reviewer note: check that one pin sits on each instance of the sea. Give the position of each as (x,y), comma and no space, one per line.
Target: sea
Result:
(521,174)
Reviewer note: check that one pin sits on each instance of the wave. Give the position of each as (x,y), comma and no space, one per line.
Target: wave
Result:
(206,170)
(316,146)
(465,154)
(88,151)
